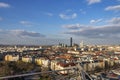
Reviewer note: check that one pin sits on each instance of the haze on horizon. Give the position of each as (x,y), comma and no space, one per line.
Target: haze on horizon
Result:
(46,22)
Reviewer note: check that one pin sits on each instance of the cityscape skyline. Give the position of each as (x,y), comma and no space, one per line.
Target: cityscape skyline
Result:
(46,22)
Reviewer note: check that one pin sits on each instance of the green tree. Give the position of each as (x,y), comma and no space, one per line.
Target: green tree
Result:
(10,68)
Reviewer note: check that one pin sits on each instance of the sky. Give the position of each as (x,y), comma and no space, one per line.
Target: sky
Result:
(47,22)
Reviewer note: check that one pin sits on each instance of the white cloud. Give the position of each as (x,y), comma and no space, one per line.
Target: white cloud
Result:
(95,21)
(26,23)
(4,5)
(109,33)
(111,30)
(49,14)
(23,37)
(93,1)
(115,20)
(23,33)
(115,8)
(73,26)
(82,11)
(92,21)
(68,16)
(105,32)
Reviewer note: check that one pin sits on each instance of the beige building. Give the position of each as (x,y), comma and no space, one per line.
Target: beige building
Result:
(42,62)
(11,57)
(56,65)
(27,59)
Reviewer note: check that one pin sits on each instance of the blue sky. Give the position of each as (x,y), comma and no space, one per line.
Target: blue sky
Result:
(43,22)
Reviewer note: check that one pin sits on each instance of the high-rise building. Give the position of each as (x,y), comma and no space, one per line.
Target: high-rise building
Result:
(71,42)
(81,44)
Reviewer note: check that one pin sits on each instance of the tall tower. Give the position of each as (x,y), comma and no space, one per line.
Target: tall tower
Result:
(70,41)
(81,44)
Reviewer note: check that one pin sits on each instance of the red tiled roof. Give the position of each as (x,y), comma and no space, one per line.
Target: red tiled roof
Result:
(65,64)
